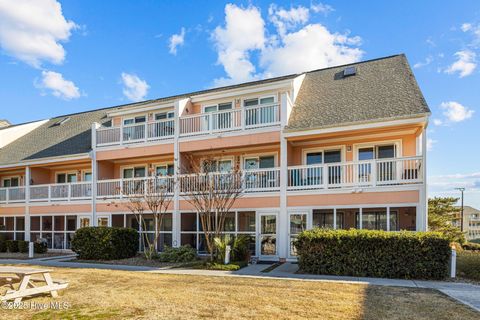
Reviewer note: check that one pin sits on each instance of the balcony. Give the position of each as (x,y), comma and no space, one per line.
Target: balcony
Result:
(230,120)
(332,176)
(191,125)
(135,133)
(359,174)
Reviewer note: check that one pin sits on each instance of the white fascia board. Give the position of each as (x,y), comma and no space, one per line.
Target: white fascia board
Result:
(79,156)
(144,108)
(283,84)
(369,125)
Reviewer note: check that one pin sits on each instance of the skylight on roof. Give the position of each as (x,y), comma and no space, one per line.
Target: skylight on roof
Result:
(349,71)
(59,123)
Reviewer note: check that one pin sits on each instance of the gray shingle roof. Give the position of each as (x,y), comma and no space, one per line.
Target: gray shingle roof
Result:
(382,89)
(51,140)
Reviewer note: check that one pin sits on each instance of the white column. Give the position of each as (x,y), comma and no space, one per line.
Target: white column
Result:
(283,241)
(93,156)
(177,167)
(388,218)
(360,218)
(335,218)
(28,178)
(422,209)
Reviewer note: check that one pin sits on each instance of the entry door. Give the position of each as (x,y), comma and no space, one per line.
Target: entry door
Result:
(267,228)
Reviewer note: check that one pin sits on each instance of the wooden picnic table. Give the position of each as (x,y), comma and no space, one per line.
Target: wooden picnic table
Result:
(28,284)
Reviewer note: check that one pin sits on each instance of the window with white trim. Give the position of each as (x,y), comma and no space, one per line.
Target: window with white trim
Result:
(65,177)
(11,182)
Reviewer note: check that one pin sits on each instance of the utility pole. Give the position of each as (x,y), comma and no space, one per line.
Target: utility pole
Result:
(461,217)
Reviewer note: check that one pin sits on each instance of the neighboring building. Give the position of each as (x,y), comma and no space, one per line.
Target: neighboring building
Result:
(471,222)
(341,147)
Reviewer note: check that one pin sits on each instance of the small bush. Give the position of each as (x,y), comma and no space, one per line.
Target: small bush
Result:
(239,246)
(368,253)
(181,254)
(12,245)
(40,246)
(471,246)
(468,265)
(23,246)
(105,243)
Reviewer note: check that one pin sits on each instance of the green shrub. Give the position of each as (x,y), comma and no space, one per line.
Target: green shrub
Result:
(105,243)
(368,253)
(181,254)
(471,246)
(468,265)
(12,245)
(40,247)
(239,247)
(22,246)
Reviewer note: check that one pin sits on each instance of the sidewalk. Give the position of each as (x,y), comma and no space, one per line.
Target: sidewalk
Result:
(466,293)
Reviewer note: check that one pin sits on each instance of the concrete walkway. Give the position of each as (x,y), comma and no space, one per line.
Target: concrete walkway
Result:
(466,293)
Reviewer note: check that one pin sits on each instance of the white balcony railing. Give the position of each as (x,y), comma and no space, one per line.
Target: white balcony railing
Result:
(369,173)
(357,174)
(134,133)
(61,192)
(120,188)
(230,120)
(12,195)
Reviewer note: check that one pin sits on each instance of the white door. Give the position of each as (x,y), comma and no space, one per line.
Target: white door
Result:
(267,229)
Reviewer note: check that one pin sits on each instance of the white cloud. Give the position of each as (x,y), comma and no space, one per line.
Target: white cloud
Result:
(430,143)
(437,122)
(242,33)
(134,88)
(455,112)
(427,61)
(32,30)
(295,47)
(448,183)
(321,8)
(465,64)
(175,41)
(60,87)
(466,27)
(285,20)
(312,47)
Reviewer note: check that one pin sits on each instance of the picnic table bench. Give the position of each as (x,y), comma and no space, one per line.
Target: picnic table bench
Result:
(28,283)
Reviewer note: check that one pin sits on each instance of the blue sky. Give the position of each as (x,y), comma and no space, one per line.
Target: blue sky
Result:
(60,57)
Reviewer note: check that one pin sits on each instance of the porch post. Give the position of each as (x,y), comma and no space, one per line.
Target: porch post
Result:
(388,218)
(28,176)
(335,218)
(360,218)
(283,241)
(93,156)
(422,209)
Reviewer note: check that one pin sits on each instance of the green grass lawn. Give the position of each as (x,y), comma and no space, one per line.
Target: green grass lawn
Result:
(109,294)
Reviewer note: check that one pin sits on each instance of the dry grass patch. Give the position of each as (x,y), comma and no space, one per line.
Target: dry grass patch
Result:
(107,294)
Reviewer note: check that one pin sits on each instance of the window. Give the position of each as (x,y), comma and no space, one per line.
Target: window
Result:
(165,170)
(136,172)
(377,152)
(102,221)
(11,182)
(222,120)
(264,115)
(87,176)
(164,115)
(376,219)
(139,119)
(236,223)
(66,177)
(217,165)
(261,162)
(260,179)
(298,223)
(324,219)
(315,176)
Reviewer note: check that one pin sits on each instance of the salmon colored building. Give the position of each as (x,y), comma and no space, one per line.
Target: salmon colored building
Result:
(341,147)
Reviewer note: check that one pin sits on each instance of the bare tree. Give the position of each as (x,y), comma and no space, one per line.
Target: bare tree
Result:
(212,194)
(151,195)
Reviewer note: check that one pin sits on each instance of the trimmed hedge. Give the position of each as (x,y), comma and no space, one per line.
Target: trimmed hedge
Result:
(181,254)
(12,245)
(22,246)
(40,247)
(368,253)
(105,243)
(3,244)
